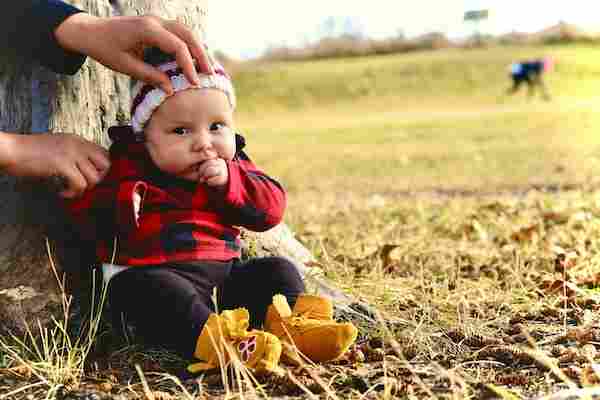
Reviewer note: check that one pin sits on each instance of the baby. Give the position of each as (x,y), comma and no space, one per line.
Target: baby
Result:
(166,218)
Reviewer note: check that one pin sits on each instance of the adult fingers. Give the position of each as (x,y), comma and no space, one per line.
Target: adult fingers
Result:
(89,172)
(100,159)
(159,36)
(142,71)
(194,45)
(76,183)
(184,60)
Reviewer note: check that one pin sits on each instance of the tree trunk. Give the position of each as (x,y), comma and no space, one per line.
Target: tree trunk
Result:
(34,100)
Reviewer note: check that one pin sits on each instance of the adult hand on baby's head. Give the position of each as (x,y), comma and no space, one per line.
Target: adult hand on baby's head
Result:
(213,172)
(118,43)
(75,163)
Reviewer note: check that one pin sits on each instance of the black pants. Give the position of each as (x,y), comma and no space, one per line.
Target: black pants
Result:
(532,79)
(168,305)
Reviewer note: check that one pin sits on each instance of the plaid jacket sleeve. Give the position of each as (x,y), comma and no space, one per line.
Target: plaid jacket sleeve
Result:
(253,199)
(92,214)
(112,205)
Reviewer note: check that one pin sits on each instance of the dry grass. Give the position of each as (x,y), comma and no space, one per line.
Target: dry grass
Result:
(476,277)
(478,295)
(470,225)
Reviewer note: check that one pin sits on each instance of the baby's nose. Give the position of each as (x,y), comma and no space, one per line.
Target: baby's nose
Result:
(202,142)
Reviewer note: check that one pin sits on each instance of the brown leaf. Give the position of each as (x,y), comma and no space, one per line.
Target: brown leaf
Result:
(525,234)
(589,281)
(559,287)
(20,370)
(572,372)
(564,262)
(569,355)
(517,379)
(554,217)
(591,374)
(385,253)
(106,386)
(582,335)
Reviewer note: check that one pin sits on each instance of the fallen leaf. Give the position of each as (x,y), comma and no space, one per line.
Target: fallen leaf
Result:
(525,234)
(555,217)
(565,261)
(591,374)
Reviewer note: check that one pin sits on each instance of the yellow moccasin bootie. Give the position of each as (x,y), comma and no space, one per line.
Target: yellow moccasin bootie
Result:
(227,334)
(310,327)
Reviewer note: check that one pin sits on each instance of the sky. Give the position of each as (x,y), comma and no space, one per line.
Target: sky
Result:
(244,28)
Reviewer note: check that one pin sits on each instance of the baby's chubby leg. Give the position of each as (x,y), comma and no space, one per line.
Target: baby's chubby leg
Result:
(252,284)
(167,304)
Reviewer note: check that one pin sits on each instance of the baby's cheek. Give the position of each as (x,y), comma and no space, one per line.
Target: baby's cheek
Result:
(161,159)
(229,150)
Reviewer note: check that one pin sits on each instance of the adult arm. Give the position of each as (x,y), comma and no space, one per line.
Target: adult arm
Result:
(80,162)
(60,36)
(93,213)
(27,30)
(118,43)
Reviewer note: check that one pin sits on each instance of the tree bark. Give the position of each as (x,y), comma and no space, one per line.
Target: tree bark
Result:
(34,237)
(35,100)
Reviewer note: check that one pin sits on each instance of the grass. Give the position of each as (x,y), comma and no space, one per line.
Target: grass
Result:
(442,124)
(469,220)
(416,80)
(50,354)
(480,152)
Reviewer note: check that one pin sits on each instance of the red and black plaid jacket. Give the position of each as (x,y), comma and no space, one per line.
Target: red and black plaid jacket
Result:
(177,220)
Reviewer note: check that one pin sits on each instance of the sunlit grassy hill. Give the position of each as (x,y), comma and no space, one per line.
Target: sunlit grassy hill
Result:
(467,77)
(422,121)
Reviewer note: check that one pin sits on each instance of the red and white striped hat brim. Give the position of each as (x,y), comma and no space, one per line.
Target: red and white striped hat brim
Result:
(147,98)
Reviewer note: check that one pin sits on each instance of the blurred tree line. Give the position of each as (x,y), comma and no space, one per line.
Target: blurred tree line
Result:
(346,38)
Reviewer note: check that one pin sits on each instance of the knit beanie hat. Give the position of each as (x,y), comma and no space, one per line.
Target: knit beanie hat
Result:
(147,98)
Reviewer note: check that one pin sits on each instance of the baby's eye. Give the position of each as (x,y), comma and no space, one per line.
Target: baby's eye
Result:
(181,130)
(216,126)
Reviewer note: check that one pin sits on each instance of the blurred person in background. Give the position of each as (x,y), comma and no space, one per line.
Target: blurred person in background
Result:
(530,72)
(179,187)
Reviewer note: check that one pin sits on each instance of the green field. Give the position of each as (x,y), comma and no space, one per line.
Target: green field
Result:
(422,121)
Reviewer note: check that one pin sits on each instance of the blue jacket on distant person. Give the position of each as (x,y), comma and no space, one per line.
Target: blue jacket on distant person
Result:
(27,30)
(525,69)
(531,73)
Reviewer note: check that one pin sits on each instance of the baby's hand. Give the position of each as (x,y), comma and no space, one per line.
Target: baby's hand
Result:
(213,172)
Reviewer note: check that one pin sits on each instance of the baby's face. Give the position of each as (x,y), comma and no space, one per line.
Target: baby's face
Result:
(189,128)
